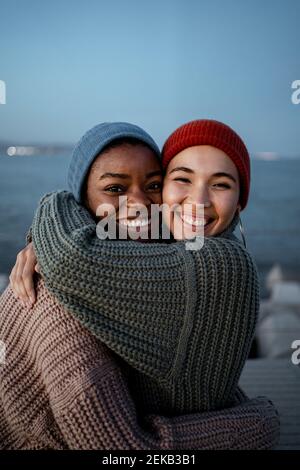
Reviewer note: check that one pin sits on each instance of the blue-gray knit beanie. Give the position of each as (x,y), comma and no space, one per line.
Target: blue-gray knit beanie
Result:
(93,142)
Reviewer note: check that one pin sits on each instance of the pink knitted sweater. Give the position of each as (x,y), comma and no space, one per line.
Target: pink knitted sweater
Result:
(60,388)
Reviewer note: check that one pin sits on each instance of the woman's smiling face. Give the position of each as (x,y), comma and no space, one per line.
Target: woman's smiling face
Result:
(127,170)
(202,175)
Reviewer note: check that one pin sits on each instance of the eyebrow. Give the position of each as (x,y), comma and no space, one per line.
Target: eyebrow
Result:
(228,175)
(217,175)
(125,176)
(182,168)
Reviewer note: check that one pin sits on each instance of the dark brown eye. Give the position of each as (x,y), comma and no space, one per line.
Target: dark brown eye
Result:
(115,189)
(155,186)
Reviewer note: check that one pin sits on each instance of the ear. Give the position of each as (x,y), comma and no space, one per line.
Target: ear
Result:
(238,208)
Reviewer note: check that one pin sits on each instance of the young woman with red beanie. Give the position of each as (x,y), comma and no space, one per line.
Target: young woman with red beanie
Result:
(206,163)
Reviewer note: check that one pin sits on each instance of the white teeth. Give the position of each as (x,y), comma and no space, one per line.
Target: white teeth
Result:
(134,223)
(197,222)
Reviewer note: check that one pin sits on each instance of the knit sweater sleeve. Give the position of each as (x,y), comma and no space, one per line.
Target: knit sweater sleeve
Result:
(142,300)
(108,421)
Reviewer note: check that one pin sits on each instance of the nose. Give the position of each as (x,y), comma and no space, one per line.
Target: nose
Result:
(138,199)
(200,195)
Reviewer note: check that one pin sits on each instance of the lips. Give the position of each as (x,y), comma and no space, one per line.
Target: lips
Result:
(196,221)
(208,223)
(134,222)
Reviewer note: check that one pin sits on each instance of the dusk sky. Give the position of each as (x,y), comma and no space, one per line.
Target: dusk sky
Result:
(69,65)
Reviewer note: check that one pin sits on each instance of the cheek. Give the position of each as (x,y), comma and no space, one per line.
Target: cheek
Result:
(173,193)
(97,198)
(156,198)
(225,204)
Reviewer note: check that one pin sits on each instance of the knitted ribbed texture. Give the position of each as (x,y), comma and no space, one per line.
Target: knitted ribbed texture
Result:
(60,388)
(184,320)
(216,134)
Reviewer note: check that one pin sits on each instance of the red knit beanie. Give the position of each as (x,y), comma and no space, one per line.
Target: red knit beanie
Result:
(216,134)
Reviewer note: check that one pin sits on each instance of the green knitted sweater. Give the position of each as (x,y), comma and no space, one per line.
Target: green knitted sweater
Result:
(182,321)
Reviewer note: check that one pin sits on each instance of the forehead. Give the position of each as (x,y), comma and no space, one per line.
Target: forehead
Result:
(204,159)
(126,157)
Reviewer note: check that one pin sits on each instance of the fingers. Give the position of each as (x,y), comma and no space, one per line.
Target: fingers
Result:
(21,262)
(21,277)
(28,282)
(12,278)
(28,273)
(16,285)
